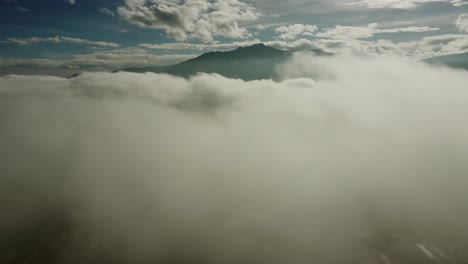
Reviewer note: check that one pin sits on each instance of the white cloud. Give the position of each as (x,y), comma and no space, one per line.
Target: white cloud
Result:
(22,9)
(403,4)
(57,40)
(462,23)
(348,32)
(71,2)
(291,32)
(191,19)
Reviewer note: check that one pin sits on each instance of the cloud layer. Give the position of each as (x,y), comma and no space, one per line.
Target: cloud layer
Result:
(191,19)
(151,168)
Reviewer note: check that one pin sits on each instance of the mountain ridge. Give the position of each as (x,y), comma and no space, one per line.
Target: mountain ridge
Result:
(255,62)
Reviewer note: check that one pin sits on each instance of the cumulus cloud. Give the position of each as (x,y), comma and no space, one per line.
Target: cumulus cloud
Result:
(57,40)
(462,23)
(403,4)
(293,31)
(146,167)
(191,19)
(345,32)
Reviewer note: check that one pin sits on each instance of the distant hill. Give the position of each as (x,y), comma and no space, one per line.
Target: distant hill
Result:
(256,62)
(248,63)
(455,60)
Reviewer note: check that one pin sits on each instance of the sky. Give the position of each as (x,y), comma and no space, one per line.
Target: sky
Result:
(63,36)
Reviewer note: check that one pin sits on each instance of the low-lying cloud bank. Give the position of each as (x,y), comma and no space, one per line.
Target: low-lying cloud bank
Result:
(145,167)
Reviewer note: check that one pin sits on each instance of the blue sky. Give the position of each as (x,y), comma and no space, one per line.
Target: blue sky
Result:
(106,34)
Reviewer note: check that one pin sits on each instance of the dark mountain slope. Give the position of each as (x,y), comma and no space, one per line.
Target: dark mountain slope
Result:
(455,60)
(248,63)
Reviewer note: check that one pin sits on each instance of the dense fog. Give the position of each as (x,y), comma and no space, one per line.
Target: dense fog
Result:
(126,167)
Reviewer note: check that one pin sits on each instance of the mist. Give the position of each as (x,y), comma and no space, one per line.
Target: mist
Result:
(151,168)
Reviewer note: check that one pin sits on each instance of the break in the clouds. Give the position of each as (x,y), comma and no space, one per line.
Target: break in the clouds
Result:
(191,19)
(57,40)
(403,4)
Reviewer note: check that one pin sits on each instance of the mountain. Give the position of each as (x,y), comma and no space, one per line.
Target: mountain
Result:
(248,63)
(455,60)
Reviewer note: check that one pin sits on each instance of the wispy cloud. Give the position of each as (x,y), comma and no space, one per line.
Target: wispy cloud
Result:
(106,11)
(22,9)
(57,40)
(345,32)
(99,60)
